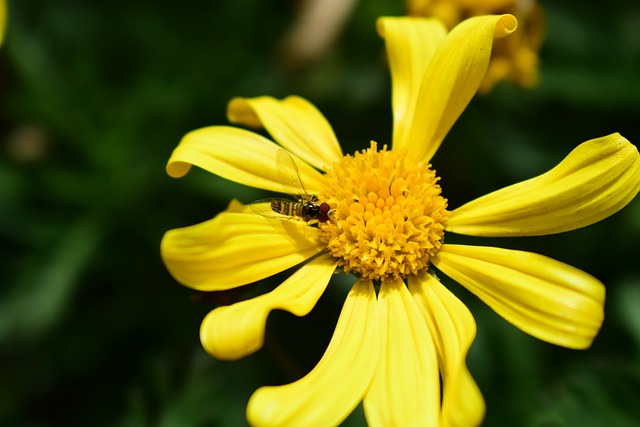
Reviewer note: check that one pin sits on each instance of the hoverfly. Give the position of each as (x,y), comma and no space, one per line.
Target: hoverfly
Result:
(304,206)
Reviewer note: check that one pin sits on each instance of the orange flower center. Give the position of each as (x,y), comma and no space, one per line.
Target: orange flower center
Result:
(387,214)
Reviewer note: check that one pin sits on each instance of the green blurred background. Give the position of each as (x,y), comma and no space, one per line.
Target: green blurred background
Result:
(95,96)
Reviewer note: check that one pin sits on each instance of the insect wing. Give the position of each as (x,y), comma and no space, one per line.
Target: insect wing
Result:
(263,207)
(289,174)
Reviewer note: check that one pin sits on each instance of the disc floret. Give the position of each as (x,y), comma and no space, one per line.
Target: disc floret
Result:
(388,216)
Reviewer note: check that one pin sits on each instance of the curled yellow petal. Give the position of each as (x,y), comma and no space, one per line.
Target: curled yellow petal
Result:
(234,331)
(452,78)
(545,298)
(235,248)
(293,122)
(238,155)
(330,392)
(411,42)
(453,329)
(406,387)
(597,179)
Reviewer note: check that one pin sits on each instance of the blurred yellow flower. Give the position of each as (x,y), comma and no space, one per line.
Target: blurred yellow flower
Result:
(394,349)
(3,19)
(513,58)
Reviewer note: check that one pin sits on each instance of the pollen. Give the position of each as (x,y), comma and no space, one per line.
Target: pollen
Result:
(387,214)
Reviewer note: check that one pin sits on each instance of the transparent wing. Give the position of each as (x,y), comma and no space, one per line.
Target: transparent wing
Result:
(263,207)
(286,224)
(289,174)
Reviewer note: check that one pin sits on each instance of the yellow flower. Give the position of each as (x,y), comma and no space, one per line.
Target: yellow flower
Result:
(3,19)
(395,349)
(514,58)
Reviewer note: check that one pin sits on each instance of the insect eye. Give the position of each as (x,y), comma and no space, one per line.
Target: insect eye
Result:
(324,208)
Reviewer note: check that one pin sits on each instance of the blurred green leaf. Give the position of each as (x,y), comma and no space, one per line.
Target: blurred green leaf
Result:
(44,292)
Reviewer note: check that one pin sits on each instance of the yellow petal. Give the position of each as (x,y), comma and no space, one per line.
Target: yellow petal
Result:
(451,79)
(411,42)
(238,155)
(331,391)
(545,298)
(3,19)
(235,206)
(406,387)
(453,330)
(597,179)
(294,123)
(234,249)
(234,331)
